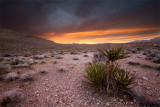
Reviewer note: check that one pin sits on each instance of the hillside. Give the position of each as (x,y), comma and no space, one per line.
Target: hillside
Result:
(14,40)
(157,39)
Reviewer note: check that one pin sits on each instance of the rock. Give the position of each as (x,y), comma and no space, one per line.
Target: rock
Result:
(4,68)
(46,90)
(58,57)
(64,99)
(146,66)
(120,100)
(145,78)
(107,104)
(12,97)
(42,71)
(140,84)
(11,76)
(85,55)
(63,68)
(134,63)
(75,58)
(27,76)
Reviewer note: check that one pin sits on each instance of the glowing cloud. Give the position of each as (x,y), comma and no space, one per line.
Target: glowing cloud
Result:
(102,36)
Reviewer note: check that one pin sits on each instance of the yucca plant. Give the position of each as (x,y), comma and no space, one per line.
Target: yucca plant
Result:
(124,79)
(96,74)
(112,55)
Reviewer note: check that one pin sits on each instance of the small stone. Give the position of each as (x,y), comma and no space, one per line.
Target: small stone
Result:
(145,78)
(107,104)
(75,58)
(64,99)
(47,90)
(140,84)
(120,100)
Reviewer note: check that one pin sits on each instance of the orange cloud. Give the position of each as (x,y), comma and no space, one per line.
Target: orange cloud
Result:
(81,37)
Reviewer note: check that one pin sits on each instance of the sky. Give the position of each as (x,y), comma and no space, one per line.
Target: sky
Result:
(83,21)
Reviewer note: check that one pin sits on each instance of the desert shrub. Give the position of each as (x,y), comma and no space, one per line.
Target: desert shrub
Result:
(58,57)
(11,76)
(4,68)
(54,62)
(96,74)
(25,65)
(109,74)
(62,68)
(146,66)
(27,76)
(124,79)
(134,63)
(12,97)
(85,55)
(42,71)
(157,67)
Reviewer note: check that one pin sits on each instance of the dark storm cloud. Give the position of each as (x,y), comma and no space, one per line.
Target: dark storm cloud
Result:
(41,16)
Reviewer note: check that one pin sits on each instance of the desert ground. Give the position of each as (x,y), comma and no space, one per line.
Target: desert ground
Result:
(57,80)
(52,75)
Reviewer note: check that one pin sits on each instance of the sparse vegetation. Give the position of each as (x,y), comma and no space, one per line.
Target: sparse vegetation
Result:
(4,68)
(58,57)
(124,79)
(134,63)
(110,75)
(42,71)
(63,68)
(96,74)
(11,98)
(27,76)
(11,76)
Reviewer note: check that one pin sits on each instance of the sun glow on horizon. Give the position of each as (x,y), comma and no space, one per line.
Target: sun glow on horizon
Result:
(102,36)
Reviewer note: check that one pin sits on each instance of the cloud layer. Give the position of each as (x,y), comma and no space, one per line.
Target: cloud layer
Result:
(59,20)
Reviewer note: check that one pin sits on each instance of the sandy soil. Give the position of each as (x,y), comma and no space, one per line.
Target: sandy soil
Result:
(58,88)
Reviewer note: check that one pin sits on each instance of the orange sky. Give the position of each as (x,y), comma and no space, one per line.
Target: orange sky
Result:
(102,36)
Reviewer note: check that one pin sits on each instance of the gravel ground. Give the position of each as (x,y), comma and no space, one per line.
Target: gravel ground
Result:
(67,88)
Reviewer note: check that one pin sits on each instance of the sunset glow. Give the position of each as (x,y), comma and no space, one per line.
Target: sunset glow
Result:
(102,36)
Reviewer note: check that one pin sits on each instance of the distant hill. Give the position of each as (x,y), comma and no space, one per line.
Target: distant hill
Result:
(157,39)
(10,39)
